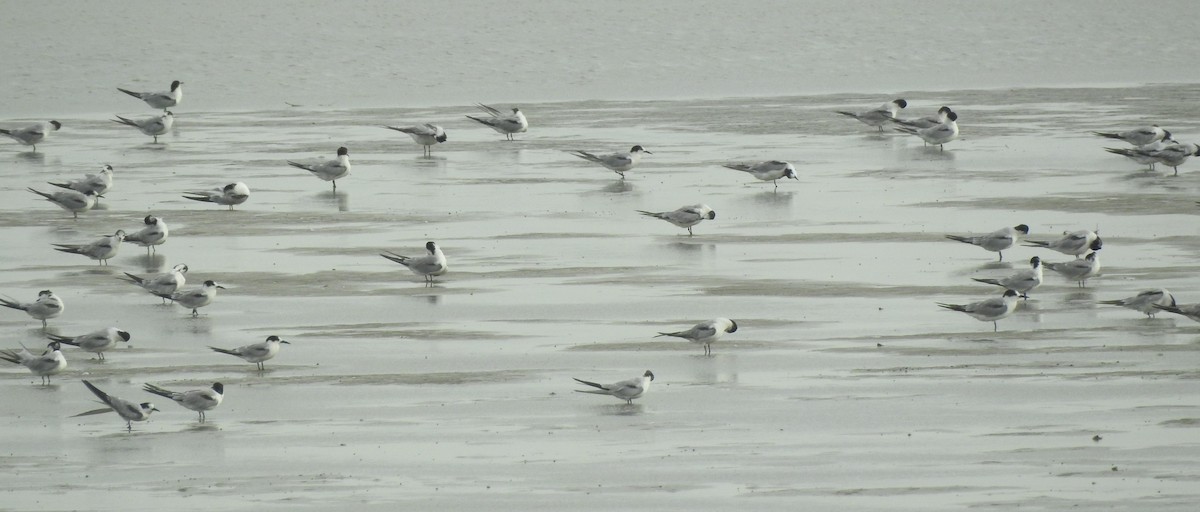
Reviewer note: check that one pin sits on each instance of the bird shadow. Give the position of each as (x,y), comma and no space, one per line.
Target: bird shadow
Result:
(339,199)
(618,187)
(152,262)
(32,156)
(623,409)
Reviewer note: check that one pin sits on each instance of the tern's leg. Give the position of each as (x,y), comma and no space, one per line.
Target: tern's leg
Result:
(995,326)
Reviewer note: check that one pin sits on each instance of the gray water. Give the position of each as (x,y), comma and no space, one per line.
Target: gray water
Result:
(845,387)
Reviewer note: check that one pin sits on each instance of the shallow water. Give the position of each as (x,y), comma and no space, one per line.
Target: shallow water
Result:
(844,388)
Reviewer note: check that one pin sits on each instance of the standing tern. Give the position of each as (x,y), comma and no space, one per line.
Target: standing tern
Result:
(1145,301)
(33,134)
(199,400)
(1144,154)
(938,135)
(625,390)
(154,234)
(619,163)
(47,305)
(163,285)
(927,121)
(1139,136)
(49,363)
(771,170)
(257,352)
(1174,155)
(195,298)
(230,195)
(1078,270)
(98,184)
(329,170)
(427,135)
(152,126)
(705,333)
(128,411)
(506,125)
(162,100)
(988,310)
(427,266)
(1021,282)
(996,241)
(96,342)
(684,216)
(877,117)
(101,250)
(70,200)
(1074,243)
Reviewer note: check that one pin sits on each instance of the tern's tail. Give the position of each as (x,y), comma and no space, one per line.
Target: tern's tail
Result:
(63,339)
(1119,302)
(480,121)
(650,214)
(10,303)
(906,129)
(1036,243)
(1110,135)
(403,260)
(676,334)
(131,93)
(10,356)
(963,239)
(196,196)
(592,384)
(593,391)
(122,120)
(848,114)
(151,388)
(132,279)
(953,307)
(988,281)
(40,193)
(224,351)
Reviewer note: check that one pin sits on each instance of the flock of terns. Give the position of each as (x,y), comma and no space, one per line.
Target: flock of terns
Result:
(1150,145)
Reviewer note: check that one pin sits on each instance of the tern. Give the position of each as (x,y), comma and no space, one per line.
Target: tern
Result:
(152,126)
(97,184)
(771,170)
(705,333)
(49,363)
(257,352)
(100,250)
(503,124)
(230,195)
(329,170)
(1144,154)
(927,121)
(996,241)
(96,342)
(684,216)
(427,266)
(1139,136)
(625,390)
(47,305)
(199,400)
(128,411)
(1021,282)
(70,200)
(1075,243)
(988,310)
(1146,301)
(161,100)
(619,163)
(195,298)
(33,134)
(939,135)
(1078,270)
(154,234)
(877,117)
(163,285)
(427,135)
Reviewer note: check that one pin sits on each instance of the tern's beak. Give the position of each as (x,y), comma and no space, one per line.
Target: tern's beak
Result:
(221,287)
(285,341)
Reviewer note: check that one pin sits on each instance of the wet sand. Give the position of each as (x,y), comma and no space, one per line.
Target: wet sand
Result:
(844,388)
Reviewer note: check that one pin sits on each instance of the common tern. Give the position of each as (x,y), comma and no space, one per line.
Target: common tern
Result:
(100,250)
(936,135)
(49,363)
(1144,154)
(33,134)
(503,124)
(329,170)
(196,298)
(96,342)
(1191,311)
(161,100)
(163,285)
(199,400)
(705,333)
(1139,136)
(1145,301)
(619,163)
(70,200)
(988,310)
(230,195)
(152,126)
(625,390)
(878,116)
(427,135)
(927,121)
(1174,155)
(256,353)
(128,411)
(1021,282)
(684,216)
(47,305)
(771,170)
(1074,243)
(996,241)
(154,234)
(427,266)
(97,184)
(1078,270)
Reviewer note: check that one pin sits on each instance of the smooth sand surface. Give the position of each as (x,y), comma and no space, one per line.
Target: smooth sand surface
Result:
(845,388)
